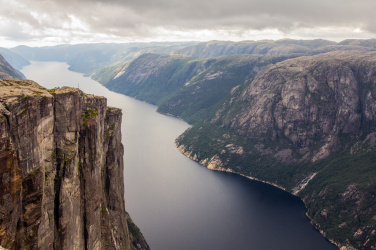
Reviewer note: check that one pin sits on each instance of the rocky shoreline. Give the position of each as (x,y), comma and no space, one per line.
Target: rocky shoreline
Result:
(214,165)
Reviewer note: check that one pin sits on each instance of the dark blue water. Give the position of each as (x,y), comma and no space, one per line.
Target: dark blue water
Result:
(177,203)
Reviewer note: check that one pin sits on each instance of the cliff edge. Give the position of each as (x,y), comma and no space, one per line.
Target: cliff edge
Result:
(61,170)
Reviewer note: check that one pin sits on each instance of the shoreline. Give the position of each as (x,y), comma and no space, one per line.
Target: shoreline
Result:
(227,170)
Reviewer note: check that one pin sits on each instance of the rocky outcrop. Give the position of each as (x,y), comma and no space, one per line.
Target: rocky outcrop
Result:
(61,170)
(309,101)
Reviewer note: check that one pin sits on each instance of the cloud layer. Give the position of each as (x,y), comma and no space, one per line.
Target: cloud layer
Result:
(59,21)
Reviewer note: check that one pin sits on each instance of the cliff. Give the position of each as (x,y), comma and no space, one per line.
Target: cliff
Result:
(306,125)
(61,168)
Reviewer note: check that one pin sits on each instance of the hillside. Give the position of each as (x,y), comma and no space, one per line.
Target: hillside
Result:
(308,126)
(200,95)
(151,77)
(182,86)
(14,59)
(7,71)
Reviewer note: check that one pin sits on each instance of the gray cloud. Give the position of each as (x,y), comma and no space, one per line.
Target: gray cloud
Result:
(142,19)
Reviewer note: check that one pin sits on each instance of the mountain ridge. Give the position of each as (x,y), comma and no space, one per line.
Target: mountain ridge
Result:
(274,48)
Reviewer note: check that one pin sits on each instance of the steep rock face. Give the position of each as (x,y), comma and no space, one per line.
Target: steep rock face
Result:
(309,101)
(62,171)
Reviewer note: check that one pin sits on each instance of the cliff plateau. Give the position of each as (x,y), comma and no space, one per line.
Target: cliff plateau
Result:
(61,170)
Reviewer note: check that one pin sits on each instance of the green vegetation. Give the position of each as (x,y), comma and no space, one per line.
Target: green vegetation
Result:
(68,160)
(183,86)
(32,174)
(349,182)
(338,215)
(153,77)
(88,114)
(133,229)
(37,92)
(79,166)
(52,91)
(208,140)
(103,209)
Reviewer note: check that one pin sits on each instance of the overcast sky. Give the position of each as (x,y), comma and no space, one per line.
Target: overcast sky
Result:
(49,22)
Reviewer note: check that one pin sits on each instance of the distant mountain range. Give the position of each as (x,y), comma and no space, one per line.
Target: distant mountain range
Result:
(86,58)
(275,48)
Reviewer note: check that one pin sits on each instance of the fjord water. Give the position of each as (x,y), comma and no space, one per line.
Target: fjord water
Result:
(179,204)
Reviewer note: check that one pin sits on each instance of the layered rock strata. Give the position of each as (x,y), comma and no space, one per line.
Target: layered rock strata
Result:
(61,170)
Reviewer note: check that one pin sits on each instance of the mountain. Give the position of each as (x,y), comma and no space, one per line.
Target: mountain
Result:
(86,58)
(180,85)
(61,162)
(274,48)
(306,125)
(370,43)
(299,115)
(7,71)
(150,77)
(14,59)
(199,96)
